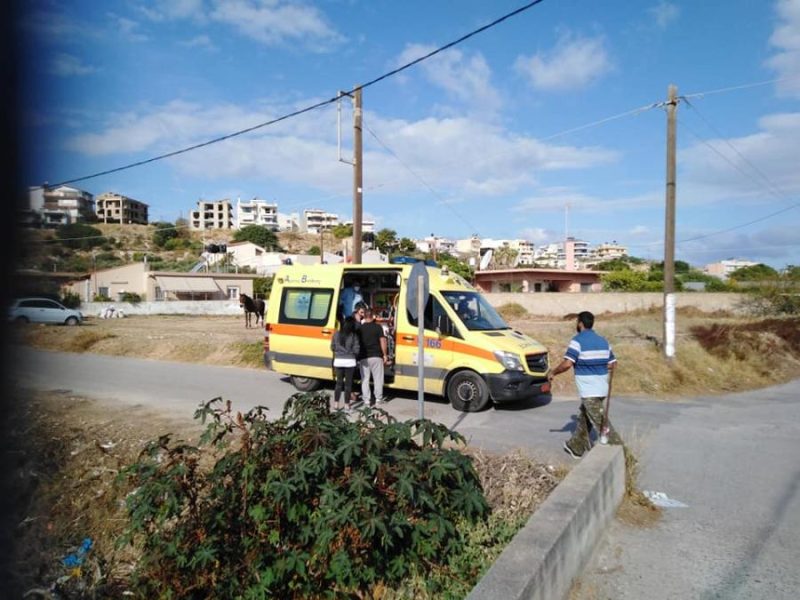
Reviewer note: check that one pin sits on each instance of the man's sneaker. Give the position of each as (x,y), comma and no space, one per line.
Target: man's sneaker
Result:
(569,451)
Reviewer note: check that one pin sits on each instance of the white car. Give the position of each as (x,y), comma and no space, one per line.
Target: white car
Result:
(43,310)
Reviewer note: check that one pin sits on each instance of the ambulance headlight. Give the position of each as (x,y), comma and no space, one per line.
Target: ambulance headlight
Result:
(509,360)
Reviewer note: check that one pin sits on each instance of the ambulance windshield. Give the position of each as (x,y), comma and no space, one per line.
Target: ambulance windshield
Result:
(474,311)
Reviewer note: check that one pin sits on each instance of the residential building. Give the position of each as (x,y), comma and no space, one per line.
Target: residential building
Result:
(288,222)
(366,226)
(116,208)
(61,205)
(436,244)
(469,246)
(606,251)
(538,280)
(155,286)
(257,212)
(316,220)
(212,215)
(724,268)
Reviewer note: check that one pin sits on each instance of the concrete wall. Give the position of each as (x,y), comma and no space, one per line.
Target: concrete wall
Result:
(544,304)
(546,555)
(558,305)
(178,307)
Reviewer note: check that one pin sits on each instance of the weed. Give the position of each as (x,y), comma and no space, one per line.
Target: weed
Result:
(85,340)
(512,310)
(308,505)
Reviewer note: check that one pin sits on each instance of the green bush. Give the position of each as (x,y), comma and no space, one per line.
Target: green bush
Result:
(131,297)
(175,243)
(80,236)
(309,505)
(262,287)
(101,298)
(70,299)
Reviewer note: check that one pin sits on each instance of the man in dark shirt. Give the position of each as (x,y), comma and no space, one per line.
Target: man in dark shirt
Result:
(374,356)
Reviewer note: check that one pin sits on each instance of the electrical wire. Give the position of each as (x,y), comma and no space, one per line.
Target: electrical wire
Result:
(301,111)
(417,175)
(734,88)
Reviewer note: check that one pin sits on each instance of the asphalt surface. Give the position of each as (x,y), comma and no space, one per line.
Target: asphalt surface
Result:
(733,460)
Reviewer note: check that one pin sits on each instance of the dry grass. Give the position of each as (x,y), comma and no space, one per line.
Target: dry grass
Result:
(512,311)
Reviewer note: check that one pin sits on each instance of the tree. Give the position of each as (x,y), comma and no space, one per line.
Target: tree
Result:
(504,258)
(455,265)
(386,240)
(759,272)
(680,266)
(80,236)
(792,273)
(406,245)
(258,235)
(342,231)
(314,251)
(615,264)
(164,232)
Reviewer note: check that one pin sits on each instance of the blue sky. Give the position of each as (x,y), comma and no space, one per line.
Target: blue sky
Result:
(480,136)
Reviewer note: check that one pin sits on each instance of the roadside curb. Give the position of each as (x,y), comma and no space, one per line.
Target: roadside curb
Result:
(546,555)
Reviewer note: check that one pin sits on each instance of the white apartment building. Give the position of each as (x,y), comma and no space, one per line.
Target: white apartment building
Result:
(366,226)
(116,208)
(523,248)
(257,212)
(440,244)
(288,222)
(468,246)
(212,215)
(61,205)
(606,251)
(724,268)
(316,220)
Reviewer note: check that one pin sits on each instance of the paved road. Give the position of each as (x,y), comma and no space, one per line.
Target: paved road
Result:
(734,460)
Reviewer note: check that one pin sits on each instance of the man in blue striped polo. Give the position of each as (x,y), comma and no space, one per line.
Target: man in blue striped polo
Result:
(594,361)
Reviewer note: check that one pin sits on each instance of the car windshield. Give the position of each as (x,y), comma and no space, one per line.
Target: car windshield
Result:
(474,311)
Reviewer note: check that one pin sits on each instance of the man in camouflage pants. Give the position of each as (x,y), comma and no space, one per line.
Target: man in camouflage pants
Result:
(594,361)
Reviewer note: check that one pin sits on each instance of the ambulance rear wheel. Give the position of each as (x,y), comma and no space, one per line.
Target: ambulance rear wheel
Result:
(468,392)
(306,384)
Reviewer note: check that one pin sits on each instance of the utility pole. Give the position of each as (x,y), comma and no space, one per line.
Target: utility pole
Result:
(358,176)
(321,247)
(669,228)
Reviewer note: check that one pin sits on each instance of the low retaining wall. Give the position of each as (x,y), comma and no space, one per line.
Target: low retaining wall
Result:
(540,304)
(545,557)
(559,304)
(178,307)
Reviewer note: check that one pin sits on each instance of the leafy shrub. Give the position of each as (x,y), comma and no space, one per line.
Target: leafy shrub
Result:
(70,299)
(310,505)
(80,236)
(101,298)
(262,286)
(131,297)
(175,243)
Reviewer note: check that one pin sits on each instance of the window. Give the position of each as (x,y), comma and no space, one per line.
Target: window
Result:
(103,291)
(586,287)
(305,306)
(233,292)
(433,310)
(159,293)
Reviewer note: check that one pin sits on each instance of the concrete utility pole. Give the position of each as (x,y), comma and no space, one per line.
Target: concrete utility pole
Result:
(669,228)
(357,176)
(321,247)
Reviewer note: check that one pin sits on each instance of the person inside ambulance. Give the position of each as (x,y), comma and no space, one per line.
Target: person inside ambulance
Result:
(349,298)
(465,312)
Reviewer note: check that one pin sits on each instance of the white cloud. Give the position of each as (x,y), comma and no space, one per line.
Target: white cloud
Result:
(772,151)
(786,39)
(555,199)
(66,65)
(199,41)
(127,28)
(640,230)
(540,235)
(275,22)
(164,10)
(665,13)
(460,158)
(575,62)
(466,78)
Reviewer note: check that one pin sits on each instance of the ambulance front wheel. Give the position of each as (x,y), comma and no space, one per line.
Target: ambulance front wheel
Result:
(468,392)
(306,384)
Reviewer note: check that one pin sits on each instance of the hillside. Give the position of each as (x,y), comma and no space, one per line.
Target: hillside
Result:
(41,250)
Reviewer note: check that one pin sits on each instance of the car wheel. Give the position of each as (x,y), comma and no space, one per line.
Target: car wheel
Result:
(71,321)
(306,384)
(468,392)
(22,320)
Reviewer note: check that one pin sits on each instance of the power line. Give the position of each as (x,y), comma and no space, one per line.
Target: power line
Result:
(743,86)
(301,111)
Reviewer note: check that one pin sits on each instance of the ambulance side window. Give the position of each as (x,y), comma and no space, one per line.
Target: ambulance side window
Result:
(305,306)
(433,309)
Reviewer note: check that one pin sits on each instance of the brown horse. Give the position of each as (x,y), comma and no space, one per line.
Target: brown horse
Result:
(251,306)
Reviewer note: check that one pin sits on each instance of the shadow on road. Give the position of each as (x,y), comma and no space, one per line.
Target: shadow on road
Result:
(529,403)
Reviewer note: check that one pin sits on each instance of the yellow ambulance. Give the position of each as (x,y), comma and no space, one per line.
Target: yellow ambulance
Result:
(471,356)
